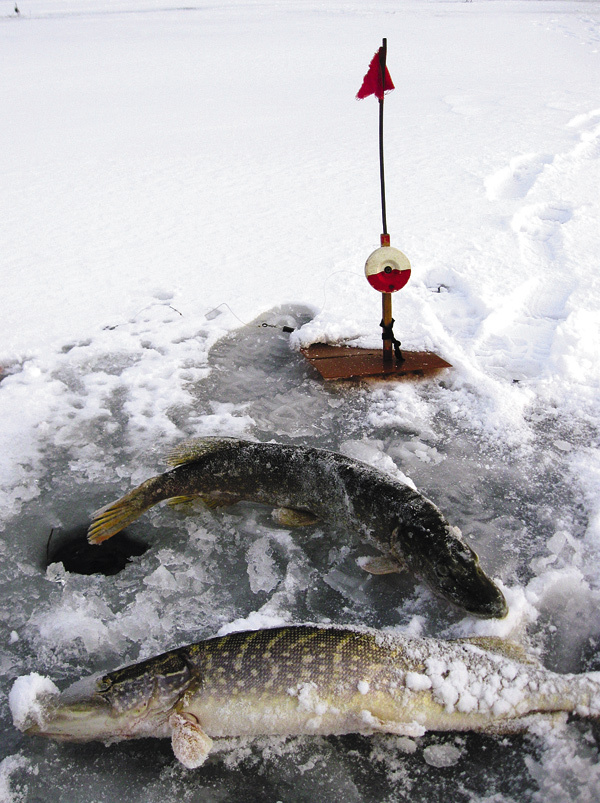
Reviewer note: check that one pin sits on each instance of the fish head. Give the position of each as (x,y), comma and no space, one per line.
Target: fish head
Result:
(450,568)
(128,703)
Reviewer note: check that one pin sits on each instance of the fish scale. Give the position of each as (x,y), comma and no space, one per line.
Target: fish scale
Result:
(281,658)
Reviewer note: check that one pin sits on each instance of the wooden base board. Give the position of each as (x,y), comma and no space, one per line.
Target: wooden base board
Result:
(348,362)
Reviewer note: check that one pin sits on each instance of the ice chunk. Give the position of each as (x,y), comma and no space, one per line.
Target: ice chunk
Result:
(441,755)
(262,569)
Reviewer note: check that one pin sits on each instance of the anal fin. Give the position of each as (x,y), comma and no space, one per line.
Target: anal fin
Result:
(211,501)
(190,744)
(181,501)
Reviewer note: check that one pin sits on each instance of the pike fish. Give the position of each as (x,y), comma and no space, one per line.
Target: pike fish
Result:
(304,485)
(308,679)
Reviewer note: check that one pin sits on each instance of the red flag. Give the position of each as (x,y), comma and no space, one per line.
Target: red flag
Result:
(372,83)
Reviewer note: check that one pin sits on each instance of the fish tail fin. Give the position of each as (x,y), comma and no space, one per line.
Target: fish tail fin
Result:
(112,518)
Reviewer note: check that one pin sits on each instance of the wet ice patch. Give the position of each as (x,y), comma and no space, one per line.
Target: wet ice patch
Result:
(563,765)
(9,792)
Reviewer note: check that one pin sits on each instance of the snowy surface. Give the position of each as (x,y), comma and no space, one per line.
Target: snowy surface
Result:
(174,177)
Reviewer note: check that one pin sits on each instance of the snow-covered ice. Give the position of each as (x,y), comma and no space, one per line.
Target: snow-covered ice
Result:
(180,182)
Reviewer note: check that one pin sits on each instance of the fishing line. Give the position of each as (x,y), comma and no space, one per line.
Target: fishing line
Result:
(139,312)
(327,278)
(214,312)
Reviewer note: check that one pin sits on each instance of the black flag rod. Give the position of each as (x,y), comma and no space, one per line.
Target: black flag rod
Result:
(382,60)
(386,299)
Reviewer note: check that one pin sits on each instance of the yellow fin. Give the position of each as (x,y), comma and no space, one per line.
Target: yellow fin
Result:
(195,448)
(190,744)
(180,501)
(507,648)
(292,517)
(112,518)
(211,501)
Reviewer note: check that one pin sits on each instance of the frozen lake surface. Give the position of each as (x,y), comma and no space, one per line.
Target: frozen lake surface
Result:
(182,183)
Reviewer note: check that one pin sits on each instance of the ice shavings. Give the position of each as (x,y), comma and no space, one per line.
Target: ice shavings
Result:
(262,569)
(566,598)
(79,621)
(521,613)
(13,792)
(287,595)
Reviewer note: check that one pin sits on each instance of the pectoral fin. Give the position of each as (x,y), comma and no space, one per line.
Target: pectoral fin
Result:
(291,517)
(380,565)
(190,744)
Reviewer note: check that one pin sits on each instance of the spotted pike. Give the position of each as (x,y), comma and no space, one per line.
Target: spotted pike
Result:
(306,484)
(310,680)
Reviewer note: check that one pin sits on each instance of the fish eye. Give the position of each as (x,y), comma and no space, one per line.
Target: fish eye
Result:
(441,570)
(104,684)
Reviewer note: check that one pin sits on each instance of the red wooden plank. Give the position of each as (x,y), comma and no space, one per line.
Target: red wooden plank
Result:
(347,362)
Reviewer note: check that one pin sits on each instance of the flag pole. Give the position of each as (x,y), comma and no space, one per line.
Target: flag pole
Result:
(382,60)
(386,298)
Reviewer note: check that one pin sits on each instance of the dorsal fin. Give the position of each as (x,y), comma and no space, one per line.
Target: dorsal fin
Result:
(195,448)
(507,648)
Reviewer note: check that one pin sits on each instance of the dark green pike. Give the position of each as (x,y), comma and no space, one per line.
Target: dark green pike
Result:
(306,484)
(309,679)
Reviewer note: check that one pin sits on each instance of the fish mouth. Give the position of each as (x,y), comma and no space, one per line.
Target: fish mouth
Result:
(498,609)
(79,721)
(487,603)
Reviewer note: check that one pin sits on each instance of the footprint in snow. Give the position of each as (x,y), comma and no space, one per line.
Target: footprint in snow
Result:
(588,147)
(518,177)
(581,120)
(517,336)
(538,229)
